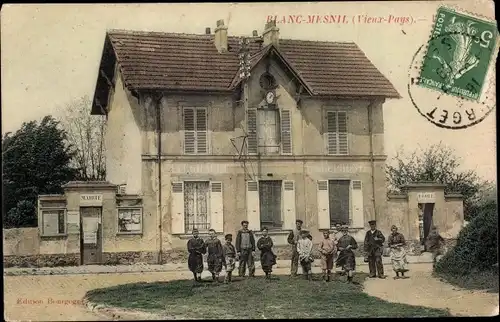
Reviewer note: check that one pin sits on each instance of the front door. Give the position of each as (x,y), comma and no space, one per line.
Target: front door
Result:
(91,235)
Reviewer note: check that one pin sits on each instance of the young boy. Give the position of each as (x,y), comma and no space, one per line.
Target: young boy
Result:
(328,250)
(304,248)
(196,248)
(346,244)
(215,255)
(267,257)
(229,253)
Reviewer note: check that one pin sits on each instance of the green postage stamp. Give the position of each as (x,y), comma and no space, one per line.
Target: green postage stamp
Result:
(459,54)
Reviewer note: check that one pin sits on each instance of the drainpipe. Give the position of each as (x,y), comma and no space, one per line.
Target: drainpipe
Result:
(157,102)
(372,162)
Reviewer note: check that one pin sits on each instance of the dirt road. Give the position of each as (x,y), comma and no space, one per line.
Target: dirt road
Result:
(58,297)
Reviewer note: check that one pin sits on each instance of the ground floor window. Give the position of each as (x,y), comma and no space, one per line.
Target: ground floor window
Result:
(53,221)
(196,212)
(130,220)
(270,204)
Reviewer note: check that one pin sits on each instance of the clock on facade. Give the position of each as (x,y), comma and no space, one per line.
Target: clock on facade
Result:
(270,97)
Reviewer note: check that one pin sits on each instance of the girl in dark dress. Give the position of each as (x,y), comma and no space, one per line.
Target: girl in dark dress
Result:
(267,257)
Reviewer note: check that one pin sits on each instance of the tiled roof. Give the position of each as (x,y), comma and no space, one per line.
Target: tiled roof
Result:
(154,60)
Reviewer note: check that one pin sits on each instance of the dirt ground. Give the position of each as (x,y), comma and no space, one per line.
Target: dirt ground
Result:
(41,298)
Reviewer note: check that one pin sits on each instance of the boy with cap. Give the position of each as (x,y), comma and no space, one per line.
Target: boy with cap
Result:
(245,246)
(267,257)
(346,244)
(215,255)
(304,249)
(374,240)
(328,250)
(292,239)
(229,253)
(196,248)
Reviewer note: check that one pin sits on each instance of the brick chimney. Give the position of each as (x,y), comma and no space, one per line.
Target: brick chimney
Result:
(271,34)
(221,37)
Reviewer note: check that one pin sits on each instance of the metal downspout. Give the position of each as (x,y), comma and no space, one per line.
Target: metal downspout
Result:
(372,162)
(157,102)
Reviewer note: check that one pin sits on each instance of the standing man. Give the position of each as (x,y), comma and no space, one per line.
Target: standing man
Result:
(374,240)
(434,244)
(293,237)
(196,248)
(245,247)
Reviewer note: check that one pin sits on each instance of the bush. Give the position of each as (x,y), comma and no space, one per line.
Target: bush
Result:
(477,246)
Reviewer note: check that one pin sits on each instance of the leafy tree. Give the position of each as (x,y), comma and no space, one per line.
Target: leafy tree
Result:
(438,163)
(85,133)
(35,161)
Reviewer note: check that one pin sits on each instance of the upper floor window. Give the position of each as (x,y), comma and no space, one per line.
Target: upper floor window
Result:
(195,130)
(336,133)
(269,131)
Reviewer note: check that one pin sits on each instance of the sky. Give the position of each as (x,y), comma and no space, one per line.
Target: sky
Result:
(50,56)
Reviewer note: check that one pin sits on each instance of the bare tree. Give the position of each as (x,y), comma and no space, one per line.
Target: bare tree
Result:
(86,135)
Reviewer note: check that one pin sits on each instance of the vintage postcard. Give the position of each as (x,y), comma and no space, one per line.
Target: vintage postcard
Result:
(249,160)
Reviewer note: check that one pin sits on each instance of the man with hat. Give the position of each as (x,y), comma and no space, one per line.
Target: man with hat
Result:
(374,240)
(293,238)
(245,247)
(347,259)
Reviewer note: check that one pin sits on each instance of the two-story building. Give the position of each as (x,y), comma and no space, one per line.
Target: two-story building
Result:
(203,133)
(301,137)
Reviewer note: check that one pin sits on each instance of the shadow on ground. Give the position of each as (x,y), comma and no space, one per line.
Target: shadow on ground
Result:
(257,298)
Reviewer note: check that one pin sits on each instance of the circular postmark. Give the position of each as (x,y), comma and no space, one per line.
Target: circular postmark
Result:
(451,79)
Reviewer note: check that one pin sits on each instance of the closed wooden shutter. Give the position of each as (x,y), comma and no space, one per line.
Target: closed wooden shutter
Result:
(357,211)
(201,131)
(189,131)
(252,146)
(286,132)
(253,205)
(342,133)
(323,205)
(289,214)
(216,207)
(331,132)
(178,208)
(337,133)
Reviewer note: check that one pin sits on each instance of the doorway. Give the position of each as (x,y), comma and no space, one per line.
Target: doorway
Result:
(91,235)
(426,212)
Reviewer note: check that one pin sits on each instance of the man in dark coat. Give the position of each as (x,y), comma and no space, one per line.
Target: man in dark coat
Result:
(374,240)
(245,247)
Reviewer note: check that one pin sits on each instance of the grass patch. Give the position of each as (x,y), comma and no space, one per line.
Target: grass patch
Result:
(486,280)
(256,298)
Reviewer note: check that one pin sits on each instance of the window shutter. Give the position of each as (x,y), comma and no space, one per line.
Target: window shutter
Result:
(357,204)
(286,132)
(216,207)
(323,205)
(331,129)
(189,131)
(252,131)
(178,208)
(342,133)
(253,205)
(201,131)
(289,214)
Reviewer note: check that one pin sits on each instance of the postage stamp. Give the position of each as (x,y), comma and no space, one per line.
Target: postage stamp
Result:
(456,65)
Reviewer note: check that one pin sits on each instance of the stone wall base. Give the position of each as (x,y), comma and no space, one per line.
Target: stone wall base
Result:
(174,256)
(46,260)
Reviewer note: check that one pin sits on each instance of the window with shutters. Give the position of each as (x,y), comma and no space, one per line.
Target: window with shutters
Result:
(269,131)
(195,130)
(336,133)
(196,199)
(338,195)
(270,196)
(53,221)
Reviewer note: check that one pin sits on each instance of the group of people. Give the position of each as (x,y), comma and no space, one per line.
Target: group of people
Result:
(337,251)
